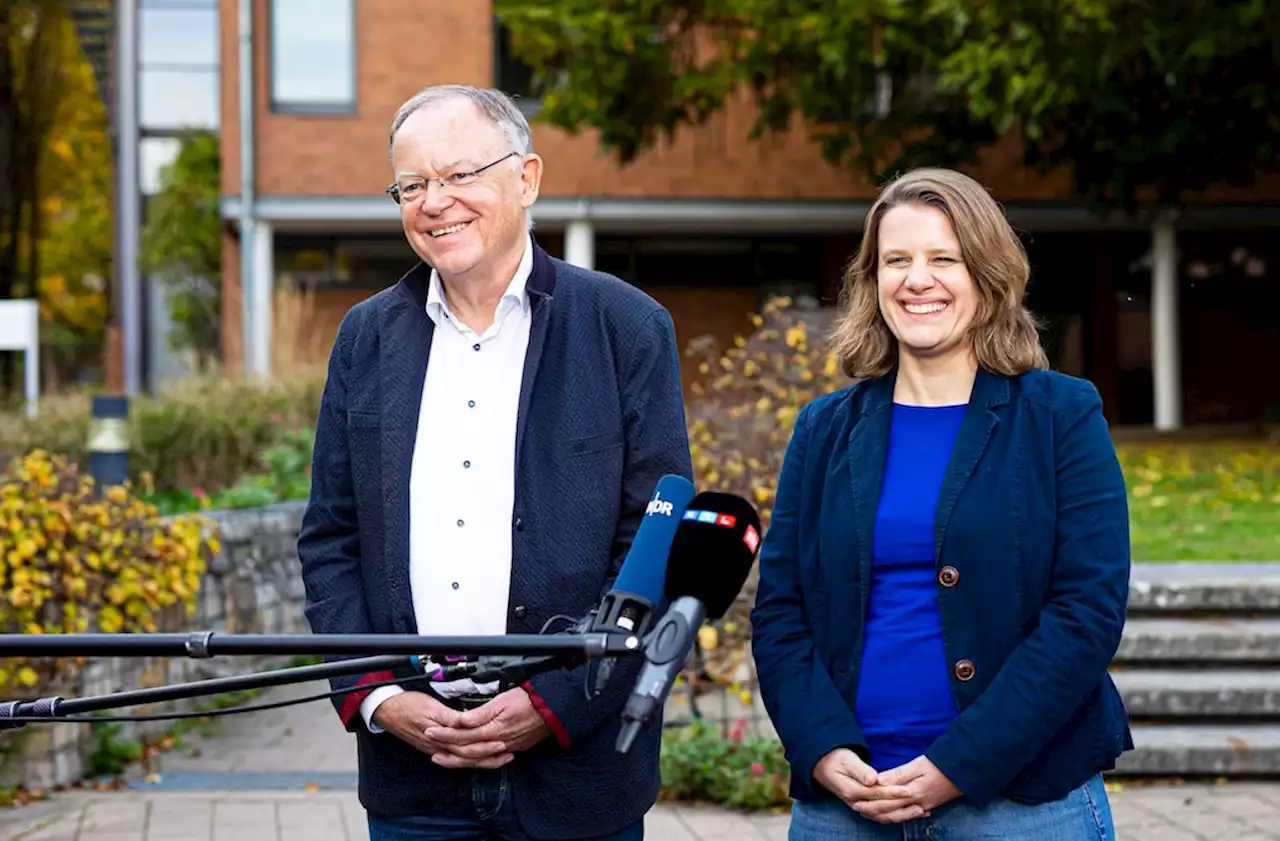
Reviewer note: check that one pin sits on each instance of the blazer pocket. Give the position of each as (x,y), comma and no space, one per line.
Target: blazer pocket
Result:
(364,420)
(595,443)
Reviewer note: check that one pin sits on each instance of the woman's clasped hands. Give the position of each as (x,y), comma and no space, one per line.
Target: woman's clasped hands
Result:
(910,791)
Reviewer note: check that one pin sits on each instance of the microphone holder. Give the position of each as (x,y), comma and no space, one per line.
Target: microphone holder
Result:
(204,644)
(515,658)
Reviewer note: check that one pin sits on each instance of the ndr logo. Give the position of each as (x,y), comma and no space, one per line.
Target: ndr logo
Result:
(658,505)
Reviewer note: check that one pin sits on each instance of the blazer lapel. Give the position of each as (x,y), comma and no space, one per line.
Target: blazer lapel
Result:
(541,285)
(406,333)
(868,448)
(989,392)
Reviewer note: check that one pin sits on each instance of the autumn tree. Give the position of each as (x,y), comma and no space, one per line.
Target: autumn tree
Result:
(182,246)
(1137,101)
(74,185)
(31,86)
(54,180)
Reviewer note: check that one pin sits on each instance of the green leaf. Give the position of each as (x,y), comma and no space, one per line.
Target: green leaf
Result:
(1131,98)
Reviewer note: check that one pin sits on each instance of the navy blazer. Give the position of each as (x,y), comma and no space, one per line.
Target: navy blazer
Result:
(601,419)
(1032,537)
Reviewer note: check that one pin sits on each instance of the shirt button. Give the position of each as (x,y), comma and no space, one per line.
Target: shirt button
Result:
(471,404)
(466,464)
(476,346)
(455,585)
(460,524)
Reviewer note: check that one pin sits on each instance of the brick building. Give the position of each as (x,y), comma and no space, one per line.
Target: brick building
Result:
(1160,318)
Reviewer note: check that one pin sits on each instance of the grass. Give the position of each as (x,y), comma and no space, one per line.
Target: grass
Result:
(1203,501)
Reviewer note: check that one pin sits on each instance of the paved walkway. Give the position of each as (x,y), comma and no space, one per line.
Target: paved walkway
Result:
(289,774)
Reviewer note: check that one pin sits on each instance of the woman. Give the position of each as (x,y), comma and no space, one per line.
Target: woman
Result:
(944,581)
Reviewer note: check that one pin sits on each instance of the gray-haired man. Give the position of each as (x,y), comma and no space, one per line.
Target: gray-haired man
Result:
(492,428)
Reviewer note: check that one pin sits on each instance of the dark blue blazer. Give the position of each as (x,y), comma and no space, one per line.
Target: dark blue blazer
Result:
(601,419)
(1032,542)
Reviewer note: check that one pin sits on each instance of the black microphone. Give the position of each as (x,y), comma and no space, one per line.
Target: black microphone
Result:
(711,556)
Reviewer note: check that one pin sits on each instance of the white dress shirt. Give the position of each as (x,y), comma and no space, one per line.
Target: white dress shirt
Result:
(462,480)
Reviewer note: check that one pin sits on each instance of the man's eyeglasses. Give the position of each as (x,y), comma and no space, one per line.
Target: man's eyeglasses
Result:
(413,190)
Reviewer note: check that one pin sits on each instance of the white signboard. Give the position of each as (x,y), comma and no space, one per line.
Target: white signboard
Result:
(20,331)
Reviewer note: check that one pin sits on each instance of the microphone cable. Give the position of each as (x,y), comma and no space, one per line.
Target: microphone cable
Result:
(94,718)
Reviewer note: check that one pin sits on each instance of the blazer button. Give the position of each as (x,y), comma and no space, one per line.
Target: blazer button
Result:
(519,524)
(948,576)
(964,670)
(521,611)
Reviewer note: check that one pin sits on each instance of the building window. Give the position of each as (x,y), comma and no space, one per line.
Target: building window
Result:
(313,56)
(511,75)
(178,67)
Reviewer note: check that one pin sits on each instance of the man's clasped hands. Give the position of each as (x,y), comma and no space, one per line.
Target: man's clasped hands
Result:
(910,791)
(486,737)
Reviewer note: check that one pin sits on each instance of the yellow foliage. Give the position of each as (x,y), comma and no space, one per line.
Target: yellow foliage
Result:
(74,179)
(739,426)
(741,421)
(71,558)
(707,638)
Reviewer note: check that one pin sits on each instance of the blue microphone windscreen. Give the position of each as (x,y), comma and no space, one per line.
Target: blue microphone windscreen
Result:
(644,571)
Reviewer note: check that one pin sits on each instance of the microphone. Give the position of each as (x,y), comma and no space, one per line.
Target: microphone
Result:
(629,605)
(712,553)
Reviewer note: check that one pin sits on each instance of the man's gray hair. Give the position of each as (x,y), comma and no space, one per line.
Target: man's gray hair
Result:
(495,105)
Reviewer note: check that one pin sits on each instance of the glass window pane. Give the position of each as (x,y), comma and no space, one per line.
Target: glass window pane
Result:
(177,99)
(313,53)
(178,4)
(182,36)
(154,154)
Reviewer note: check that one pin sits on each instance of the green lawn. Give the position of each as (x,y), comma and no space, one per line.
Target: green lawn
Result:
(1215,501)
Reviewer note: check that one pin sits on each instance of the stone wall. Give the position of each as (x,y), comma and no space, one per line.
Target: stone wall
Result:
(253,586)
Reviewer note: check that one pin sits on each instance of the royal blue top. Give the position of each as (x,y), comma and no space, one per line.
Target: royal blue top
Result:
(904,699)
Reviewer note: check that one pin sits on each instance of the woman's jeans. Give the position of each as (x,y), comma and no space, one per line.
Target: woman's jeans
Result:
(1083,815)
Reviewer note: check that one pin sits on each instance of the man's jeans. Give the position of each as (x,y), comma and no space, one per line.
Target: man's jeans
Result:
(486,815)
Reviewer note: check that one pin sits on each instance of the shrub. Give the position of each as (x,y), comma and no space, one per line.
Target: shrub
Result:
(73,559)
(698,763)
(740,421)
(201,433)
(284,475)
(741,417)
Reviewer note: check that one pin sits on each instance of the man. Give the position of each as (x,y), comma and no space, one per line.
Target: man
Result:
(490,433)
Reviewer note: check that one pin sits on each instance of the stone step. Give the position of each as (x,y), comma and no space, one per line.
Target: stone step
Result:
(1209,640)
(1199,693)
(1204,587)
(1202,749)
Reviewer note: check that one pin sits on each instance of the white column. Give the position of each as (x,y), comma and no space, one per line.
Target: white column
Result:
(580,244)
(1166,353)
(259,293)
(128,201)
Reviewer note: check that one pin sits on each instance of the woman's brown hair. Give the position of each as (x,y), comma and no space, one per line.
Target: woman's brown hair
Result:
(1003,332)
